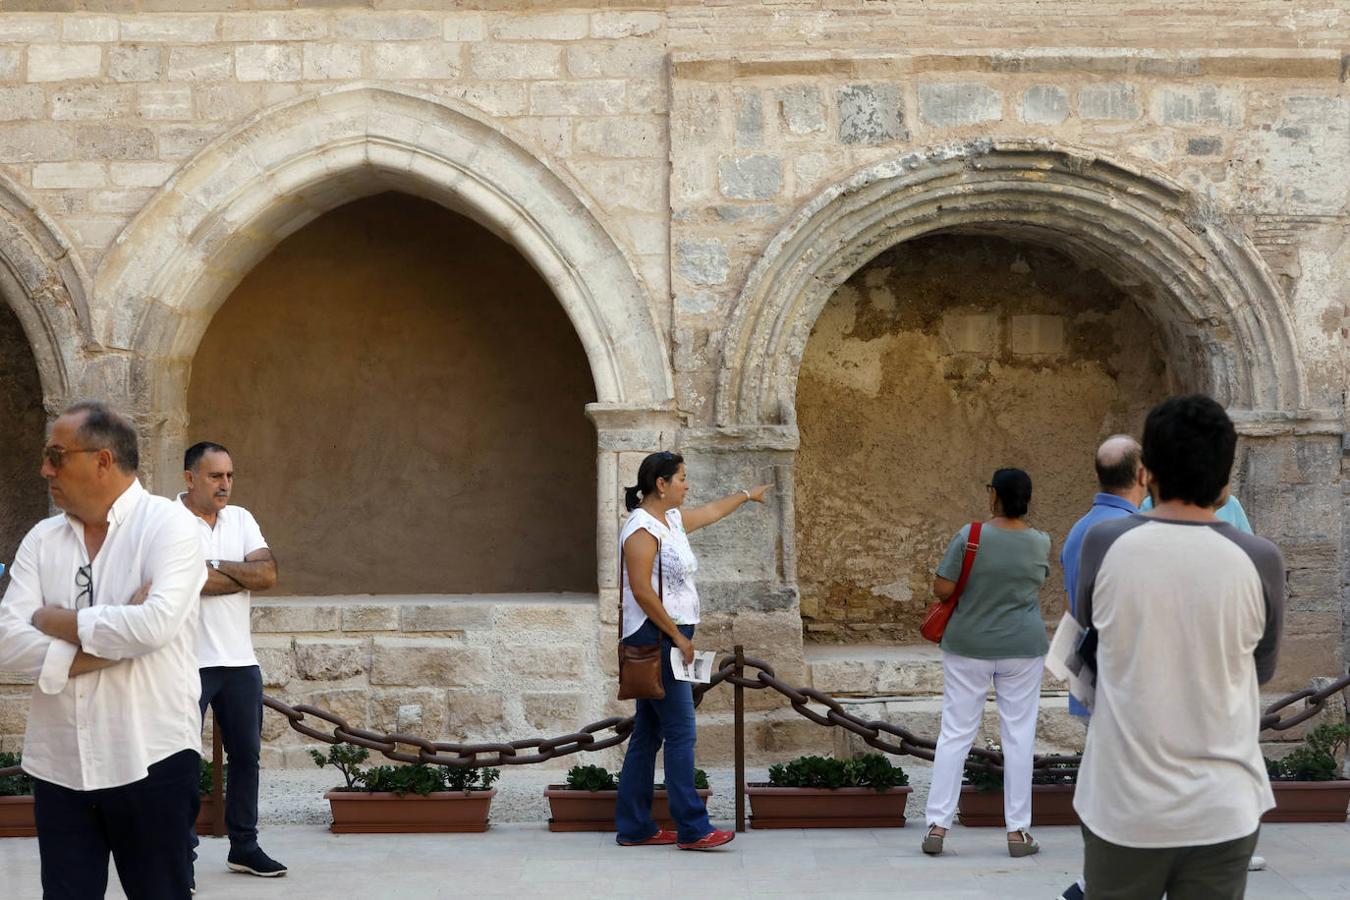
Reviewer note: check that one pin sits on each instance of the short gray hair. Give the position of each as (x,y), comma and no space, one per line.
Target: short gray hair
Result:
(104,428)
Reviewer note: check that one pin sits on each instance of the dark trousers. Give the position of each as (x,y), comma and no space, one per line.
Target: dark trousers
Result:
(234,693)
(1203,872)
(144,825)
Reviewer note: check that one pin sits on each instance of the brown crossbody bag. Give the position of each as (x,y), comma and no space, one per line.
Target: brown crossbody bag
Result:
(640,664)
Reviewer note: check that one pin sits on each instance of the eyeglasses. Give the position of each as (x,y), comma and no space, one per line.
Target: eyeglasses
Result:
(84,580)
(57,455)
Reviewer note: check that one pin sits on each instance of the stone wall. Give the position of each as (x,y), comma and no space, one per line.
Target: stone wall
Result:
(693,183)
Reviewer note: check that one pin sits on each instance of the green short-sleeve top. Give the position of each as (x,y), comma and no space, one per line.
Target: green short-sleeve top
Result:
(999,613)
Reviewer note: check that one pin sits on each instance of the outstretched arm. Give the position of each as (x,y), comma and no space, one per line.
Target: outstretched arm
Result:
(717,510)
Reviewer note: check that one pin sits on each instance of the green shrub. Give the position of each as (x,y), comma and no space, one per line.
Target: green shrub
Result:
(700,780)
(869,770)
(591,778)
(346,759)
(204,783)
(418,778)
(20,785)
(1316,760)
(470,779)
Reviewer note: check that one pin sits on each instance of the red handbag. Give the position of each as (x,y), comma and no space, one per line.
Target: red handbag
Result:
(940,613)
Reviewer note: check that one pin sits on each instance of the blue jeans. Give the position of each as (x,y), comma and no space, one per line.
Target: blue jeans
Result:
(670,720)
(235,693)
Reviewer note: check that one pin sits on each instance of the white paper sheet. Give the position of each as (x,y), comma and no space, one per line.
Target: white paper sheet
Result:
(699,671)
(1063,662)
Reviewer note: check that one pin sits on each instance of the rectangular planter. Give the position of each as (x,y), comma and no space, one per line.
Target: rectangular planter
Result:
(16,817)
(594,810)
(355,812)
(204,816)
(1051,804)
(792,807)
(1309,801)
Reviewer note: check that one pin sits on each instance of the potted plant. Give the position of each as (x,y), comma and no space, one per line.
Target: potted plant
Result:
(405,799)
(1308,783)
(981,801)
(818,792)
(16,800)
(586,801)
(206,814)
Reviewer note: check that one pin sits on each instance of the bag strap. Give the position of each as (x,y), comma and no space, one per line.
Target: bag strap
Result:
(660,581)
(972,545)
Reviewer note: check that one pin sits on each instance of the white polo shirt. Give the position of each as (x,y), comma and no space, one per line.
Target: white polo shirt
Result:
(106,728)
(225,636)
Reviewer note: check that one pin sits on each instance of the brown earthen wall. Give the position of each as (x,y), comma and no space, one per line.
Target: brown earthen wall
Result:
(940,361)
(404,399)
(23,496)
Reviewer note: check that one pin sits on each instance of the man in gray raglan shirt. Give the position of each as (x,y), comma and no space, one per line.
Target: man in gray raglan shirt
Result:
(1188,612)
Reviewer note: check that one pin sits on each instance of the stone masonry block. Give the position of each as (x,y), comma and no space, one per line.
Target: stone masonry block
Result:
(1209,145)
(750,177)
(415,61)
(568,26)
(702,261)
(171,101)
(381,27)
(1108,101)
(1036,335)
(14,712)
(620,137)
(261,26)
(971,333)
(625,24)
(323,62)
(69,175)
(11,58)
(430,662)
(956,104)
(1202,105)
(319,659)
(28,29)
(276,658)
(133,63)
(555,661)
(91,101)
(186,29)
(419,711)
(267,62)
(114,142)
(200,63)
(27,102)
(140,174)
(549,620)
(1045,104)
(64,62)
(17,678)
(554,713)
(454,616)
(371,617)
(801,110)
(524,61)
(464,27)
(474,713)
(86,29)
(870,114)
(621,59)
(349,704)
(272,619)
(585,98)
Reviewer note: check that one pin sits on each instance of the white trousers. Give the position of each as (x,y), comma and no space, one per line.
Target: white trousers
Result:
(965,684)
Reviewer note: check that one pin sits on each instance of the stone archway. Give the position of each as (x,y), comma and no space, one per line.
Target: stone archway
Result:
(1206,287)
(181,256)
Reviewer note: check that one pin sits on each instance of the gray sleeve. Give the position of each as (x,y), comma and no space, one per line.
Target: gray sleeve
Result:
(950,567)
(1096,543)
(1270,566)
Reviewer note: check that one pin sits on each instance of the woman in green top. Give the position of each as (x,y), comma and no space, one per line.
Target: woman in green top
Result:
(995,636)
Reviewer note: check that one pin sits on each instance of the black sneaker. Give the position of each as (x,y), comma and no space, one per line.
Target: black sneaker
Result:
(1072,892)
(254,862)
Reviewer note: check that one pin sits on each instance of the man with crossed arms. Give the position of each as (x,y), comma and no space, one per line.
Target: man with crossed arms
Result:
(237,562)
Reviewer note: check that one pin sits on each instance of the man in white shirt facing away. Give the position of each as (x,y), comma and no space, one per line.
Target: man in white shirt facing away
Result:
(1188,613)
(102,610)
(237,562)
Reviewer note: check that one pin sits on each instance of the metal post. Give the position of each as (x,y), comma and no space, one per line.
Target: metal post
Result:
(217,779)
(740,739)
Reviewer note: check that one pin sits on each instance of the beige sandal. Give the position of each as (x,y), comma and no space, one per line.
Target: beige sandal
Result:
(1026,846)
(932,843)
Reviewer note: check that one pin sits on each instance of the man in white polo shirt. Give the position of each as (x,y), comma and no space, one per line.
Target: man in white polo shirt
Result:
(237,562)
(102,610)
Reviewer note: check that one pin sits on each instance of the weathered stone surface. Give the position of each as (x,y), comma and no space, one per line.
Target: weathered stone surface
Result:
(418,711)
(321,62)
(1036,335)
(199,63)
(702,261)
(69,175)
(622,24)
(330,659)
(456,616)
(276,658)
(370,617)
(114,142)
(870,114)
(617,59)
(14,712)
(1108,101)
(585,98)
(568,26)
(1045,104)
(541,661)
(526,61)
(294,618)
(430,662)
(954,105)
(134,63)
(472,714)
(979,333)
(1203,105)
(406,61)
(553,713)
(25,102)
(49,62)
(756,177)
(350,704)
(381,27)
(168,102)
(801,109)
(181,29)
(267,62)
(619,137)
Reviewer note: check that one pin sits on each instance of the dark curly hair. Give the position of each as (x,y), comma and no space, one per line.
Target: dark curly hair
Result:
(1189,445)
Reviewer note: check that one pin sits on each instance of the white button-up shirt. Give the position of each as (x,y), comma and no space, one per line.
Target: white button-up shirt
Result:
(225,635)
(107,727)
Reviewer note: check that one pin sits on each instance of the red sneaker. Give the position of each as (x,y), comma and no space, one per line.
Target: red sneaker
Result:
(661,837)
(714,838)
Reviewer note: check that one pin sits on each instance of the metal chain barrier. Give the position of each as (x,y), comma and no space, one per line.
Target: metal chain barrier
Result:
(610,732)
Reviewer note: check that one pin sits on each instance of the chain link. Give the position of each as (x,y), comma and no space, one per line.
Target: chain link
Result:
(884,736)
